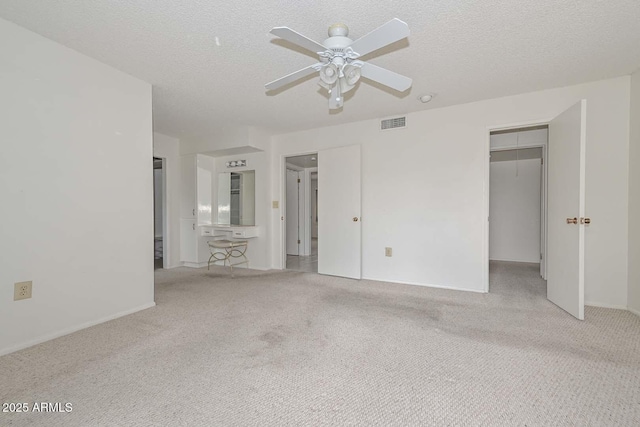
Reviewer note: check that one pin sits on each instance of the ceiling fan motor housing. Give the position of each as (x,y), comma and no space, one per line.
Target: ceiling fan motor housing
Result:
(337,42)
(338,30)
(339,59)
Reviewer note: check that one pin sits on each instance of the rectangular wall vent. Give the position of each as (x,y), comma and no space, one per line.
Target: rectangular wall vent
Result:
(397,122)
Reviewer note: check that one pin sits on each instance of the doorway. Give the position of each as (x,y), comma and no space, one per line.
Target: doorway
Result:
(338,206)
(158,213)
(517,211)
(301,218)
(563,203)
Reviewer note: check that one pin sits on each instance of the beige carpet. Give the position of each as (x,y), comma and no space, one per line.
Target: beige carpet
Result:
(289,348)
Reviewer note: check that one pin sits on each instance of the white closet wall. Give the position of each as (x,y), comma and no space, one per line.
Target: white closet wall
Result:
(514,212)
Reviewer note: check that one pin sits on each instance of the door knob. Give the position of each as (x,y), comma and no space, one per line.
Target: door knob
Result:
(572,220)
(355,219)
(585,220)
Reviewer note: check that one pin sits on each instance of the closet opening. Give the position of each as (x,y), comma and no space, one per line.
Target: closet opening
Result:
(517,211)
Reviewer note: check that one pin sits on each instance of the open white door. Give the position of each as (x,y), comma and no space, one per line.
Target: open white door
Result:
(566,204)
(292,212)
(339,230)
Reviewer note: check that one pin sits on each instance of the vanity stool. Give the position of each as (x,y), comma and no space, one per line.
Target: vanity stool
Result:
(226,251)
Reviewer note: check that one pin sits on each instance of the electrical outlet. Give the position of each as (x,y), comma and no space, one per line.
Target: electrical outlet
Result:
(275,204)
(388,252)
(22,290)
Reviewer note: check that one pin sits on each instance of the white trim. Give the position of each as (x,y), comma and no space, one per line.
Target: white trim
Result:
(166,240)
(252,267)
(426,285)
(601,305)
(486,203)
(243,267)
(636,312)
(306,250)
(73,329)
(180,264)
(166,228)
(195,264)
(515,260)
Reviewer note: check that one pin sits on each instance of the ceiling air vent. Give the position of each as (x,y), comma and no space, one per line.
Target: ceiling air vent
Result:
(397,122)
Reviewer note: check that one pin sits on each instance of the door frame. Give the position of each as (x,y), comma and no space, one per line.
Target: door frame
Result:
(283,202)
(165,220)
(486,188)
(308,215)
(302,208)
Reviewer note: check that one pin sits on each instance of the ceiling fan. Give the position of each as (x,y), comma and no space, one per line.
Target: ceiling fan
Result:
(339,66)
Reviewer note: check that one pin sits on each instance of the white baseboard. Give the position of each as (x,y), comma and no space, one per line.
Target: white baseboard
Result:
(204,264)
(73,329)
(601,305)
(636,312)
(451,288)
(516,260)
(194,264)
(173,266)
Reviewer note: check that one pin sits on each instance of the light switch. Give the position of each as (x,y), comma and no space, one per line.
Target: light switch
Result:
(275,204)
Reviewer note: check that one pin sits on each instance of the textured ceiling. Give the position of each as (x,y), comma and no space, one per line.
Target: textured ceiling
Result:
(308,161)
(209,59)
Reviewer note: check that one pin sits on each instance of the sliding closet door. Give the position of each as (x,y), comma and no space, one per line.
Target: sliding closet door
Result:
(339,225)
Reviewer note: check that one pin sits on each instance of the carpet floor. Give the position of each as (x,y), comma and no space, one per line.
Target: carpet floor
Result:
(291,348)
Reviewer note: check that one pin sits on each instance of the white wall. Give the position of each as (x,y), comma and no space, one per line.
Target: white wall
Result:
(423,187)
(514,213)
(231,141)
(76,189)
(634,197)
(168,148)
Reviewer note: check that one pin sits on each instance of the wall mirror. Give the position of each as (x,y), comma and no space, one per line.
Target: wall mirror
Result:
(237,198)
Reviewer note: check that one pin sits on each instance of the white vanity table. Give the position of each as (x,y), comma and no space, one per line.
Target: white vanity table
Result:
(230,231)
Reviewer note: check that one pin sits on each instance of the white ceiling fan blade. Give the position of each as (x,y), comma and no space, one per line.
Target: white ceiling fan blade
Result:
(294,37)
(336,100)
(382,36)
(296,75)
(383,76)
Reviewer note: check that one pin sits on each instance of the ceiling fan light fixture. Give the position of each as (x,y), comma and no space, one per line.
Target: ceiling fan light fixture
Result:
(352,74)
(345,86)
(329,74)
